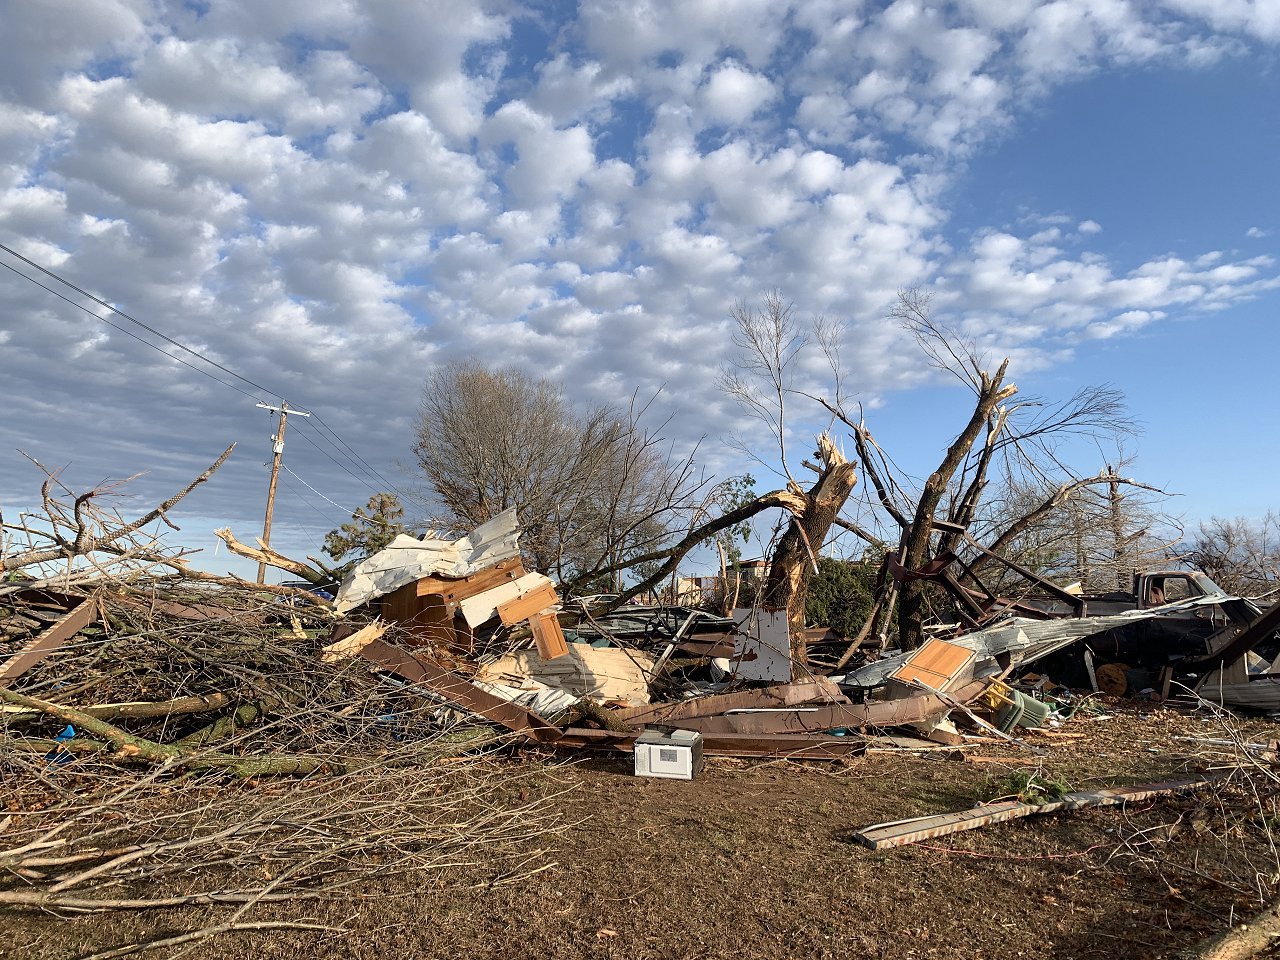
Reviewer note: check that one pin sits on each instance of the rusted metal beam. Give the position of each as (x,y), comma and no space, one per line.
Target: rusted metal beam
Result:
(781,695)
(51,639)
(726,744)
(459,690)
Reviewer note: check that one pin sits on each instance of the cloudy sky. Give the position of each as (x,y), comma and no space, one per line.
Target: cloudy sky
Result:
(330,197)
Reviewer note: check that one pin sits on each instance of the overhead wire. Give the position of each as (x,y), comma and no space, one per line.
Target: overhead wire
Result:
(121,313)
(128,333)
(333,439)
(339,464)
(369,472)
(320,420)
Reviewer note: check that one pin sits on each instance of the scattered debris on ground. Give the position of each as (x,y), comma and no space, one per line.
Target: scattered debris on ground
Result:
(174,740)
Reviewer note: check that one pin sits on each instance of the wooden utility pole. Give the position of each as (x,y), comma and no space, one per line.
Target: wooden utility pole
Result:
(277,450)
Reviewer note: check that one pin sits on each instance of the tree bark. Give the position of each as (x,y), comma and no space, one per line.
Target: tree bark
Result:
(916,537)
(793,560)
(1242,941)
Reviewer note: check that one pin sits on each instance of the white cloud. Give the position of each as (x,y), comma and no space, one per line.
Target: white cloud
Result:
(329,196)
(732,95)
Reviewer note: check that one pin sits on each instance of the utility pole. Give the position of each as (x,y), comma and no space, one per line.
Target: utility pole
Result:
(277,450)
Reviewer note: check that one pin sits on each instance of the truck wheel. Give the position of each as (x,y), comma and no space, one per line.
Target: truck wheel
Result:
(1113,679)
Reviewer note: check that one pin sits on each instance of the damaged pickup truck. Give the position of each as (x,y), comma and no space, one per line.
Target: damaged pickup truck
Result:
(1195,616)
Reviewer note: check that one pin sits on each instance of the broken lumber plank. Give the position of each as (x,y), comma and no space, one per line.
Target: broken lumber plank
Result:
(51,639)
(889,713)
(773,746)
(456,589)
(352,645)
(524,607)
(877,713)
(900,832)
(459,691)
(484,606)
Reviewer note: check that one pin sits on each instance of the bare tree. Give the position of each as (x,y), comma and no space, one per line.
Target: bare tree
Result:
(590,488)
(1242,556)
(1021,437)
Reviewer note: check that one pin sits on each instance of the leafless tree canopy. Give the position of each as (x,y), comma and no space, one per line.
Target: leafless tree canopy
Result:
(590,488)
(1242,556)
(1011,450)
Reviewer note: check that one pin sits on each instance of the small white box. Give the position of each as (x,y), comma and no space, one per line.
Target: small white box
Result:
(676,755)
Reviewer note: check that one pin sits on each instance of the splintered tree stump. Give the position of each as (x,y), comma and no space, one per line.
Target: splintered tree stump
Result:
(792,563)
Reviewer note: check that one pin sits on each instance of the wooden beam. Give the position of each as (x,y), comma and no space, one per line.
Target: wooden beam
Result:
(782,695)
(51,639)
(535,601)
(459,690)
(900,832)
(726,744)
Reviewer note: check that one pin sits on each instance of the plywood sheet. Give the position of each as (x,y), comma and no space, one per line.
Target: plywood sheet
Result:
(937,664)
(601,674)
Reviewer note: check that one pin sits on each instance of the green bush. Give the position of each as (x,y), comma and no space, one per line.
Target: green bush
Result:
(840,594)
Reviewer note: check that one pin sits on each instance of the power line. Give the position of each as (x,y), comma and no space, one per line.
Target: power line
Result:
(128,333)
(121,313)
(390,486)
(354,516)
(183,347)
(339,464)
(367,470)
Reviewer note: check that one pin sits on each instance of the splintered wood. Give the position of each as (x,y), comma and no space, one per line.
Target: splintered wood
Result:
(900,832)
(443,611)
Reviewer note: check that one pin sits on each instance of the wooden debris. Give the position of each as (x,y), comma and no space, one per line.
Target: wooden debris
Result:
(50,640)
(900,832)
(548,637)
(601,674)
(352,645)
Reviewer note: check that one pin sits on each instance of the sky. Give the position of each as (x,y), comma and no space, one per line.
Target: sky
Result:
(330,198)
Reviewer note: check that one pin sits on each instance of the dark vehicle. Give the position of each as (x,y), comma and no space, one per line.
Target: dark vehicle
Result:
(1131,658)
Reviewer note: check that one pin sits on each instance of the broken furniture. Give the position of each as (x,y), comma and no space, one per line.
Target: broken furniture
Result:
(439,591)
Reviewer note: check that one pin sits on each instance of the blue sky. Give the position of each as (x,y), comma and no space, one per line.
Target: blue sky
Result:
(330,198)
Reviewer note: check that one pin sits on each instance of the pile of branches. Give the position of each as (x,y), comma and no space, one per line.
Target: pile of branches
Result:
(225,680)
(176,741)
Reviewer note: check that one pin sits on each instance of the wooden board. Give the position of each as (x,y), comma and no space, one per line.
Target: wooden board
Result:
(484,606)
(50,640)
(524,607)
(456,589)
(547,636)
(900,832)
(937,664)
(352,645)
(819,689)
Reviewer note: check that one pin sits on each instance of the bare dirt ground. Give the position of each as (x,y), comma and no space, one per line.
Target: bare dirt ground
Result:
(756,860)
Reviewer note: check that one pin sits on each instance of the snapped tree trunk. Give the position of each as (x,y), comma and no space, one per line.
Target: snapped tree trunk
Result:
(915,547)
(793,560)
